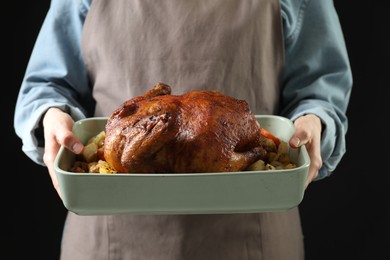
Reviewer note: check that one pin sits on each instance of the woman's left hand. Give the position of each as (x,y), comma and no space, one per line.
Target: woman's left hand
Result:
(308,132)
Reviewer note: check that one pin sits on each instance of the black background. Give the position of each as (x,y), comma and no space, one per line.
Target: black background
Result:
(345,216)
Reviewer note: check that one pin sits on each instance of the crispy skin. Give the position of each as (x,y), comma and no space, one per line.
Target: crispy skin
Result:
(200,131)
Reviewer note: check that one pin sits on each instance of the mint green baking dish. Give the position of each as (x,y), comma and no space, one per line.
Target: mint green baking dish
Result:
(187,193)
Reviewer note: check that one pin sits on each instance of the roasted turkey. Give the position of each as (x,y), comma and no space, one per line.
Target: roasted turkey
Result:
(199,131)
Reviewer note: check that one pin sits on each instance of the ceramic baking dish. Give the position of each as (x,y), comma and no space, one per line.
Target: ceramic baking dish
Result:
(182,193)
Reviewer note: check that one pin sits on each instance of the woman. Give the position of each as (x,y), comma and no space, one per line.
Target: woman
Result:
(285,57)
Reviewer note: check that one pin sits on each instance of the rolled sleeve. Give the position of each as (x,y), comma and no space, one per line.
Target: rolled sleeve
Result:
(317,77)
(55,75)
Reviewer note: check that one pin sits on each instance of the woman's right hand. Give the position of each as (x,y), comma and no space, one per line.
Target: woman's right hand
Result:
(57,127)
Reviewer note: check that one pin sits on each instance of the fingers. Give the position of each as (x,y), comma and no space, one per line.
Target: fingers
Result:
(308,132)
(51,150)
(57,127)
(313,149)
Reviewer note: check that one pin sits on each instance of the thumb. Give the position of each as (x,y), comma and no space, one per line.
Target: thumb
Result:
(76,147)
(295,141)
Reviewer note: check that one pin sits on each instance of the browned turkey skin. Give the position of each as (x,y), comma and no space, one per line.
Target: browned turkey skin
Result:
(199,131)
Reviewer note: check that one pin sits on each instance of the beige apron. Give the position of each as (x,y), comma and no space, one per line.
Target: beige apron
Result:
(233,46)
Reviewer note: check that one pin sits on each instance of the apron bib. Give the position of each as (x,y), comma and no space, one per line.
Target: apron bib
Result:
(233,46)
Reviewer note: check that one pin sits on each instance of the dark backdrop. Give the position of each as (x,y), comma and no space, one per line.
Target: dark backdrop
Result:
(345,216)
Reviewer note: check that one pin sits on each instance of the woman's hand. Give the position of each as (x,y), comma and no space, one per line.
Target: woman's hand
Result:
(308,132)
(57,126)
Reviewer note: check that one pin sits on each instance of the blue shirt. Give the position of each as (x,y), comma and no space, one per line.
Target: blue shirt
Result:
(317,76)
